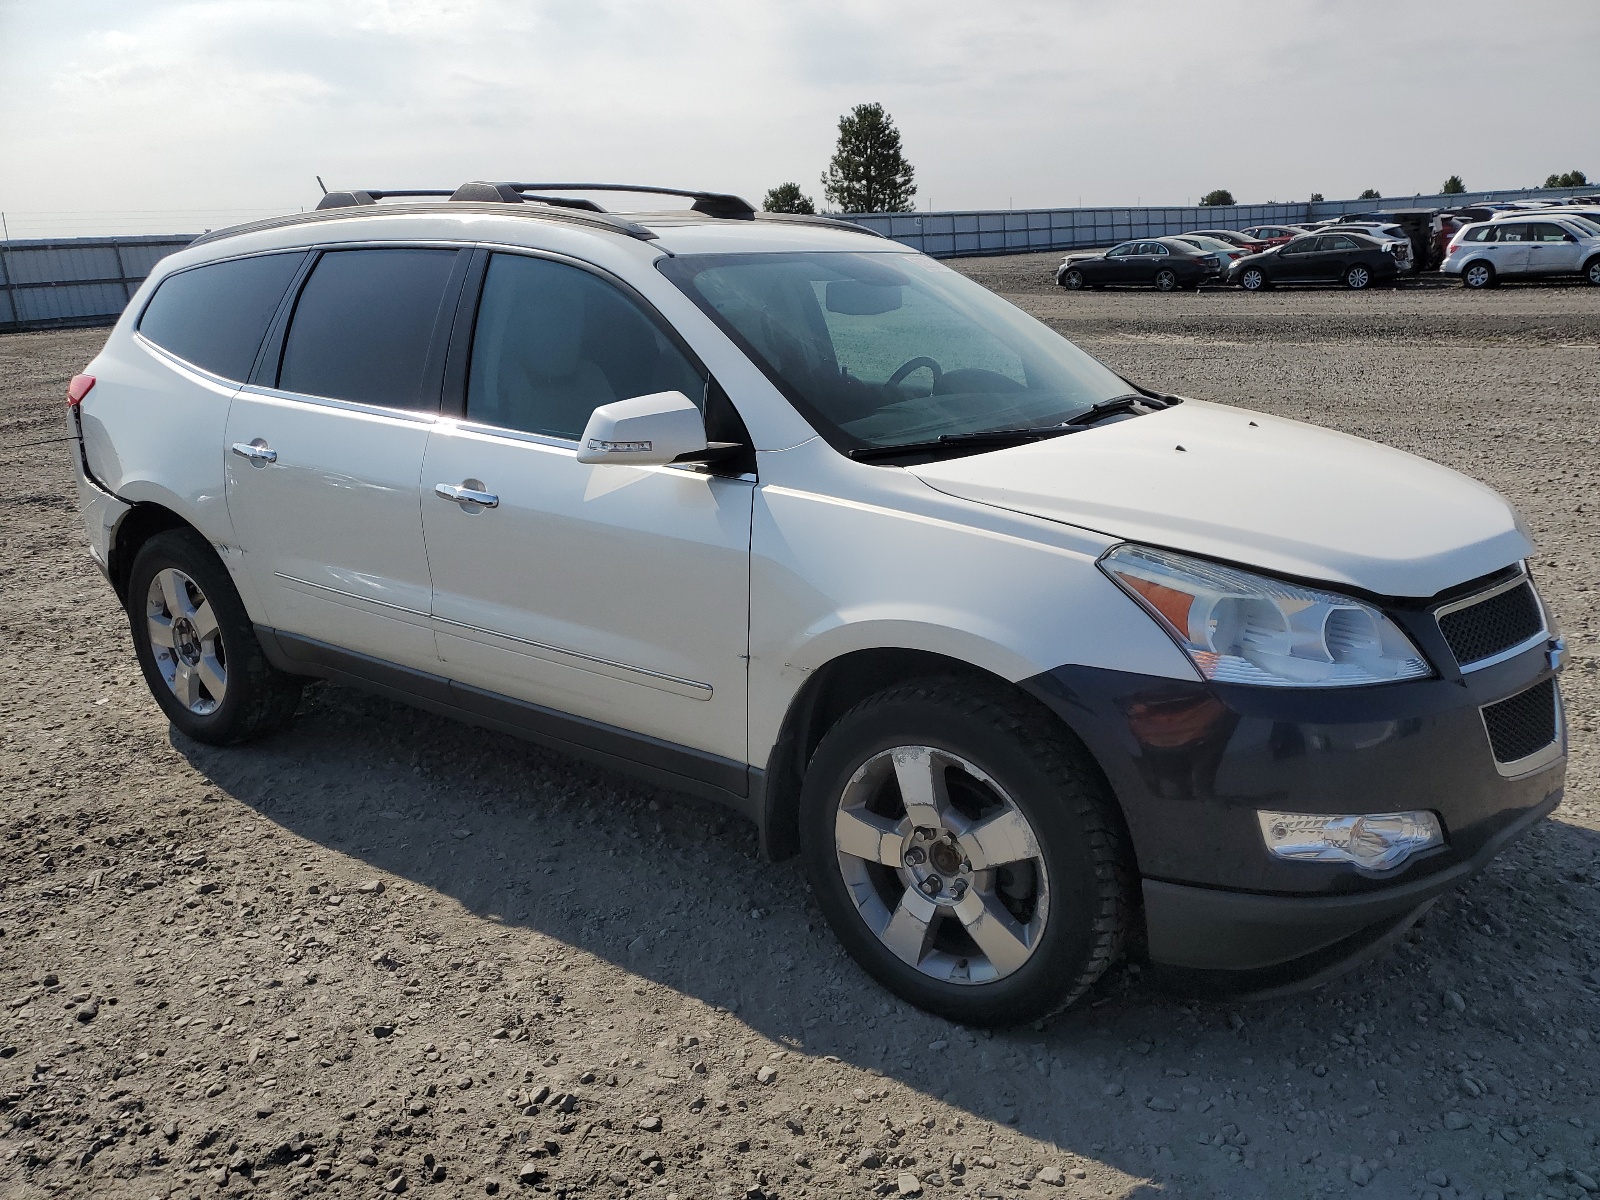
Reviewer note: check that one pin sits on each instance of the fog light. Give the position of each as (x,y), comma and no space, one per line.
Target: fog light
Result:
(1372,840)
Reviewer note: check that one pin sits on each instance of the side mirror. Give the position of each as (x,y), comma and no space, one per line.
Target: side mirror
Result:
(645,431)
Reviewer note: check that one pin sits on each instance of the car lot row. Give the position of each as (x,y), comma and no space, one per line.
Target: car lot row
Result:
(1482,245)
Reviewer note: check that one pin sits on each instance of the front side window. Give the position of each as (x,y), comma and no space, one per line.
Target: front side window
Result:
(215,316)
(1123,250)
(554,342)
(886,349)
(1303,245)
(362,326)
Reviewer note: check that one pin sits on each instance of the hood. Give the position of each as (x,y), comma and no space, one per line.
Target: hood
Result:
(1253,489)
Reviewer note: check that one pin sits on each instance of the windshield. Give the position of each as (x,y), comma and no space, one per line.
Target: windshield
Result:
(890,349)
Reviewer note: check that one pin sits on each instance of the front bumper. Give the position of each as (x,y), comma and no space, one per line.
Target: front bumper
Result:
(1192,763)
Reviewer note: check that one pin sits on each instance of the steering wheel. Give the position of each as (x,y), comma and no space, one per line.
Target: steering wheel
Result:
(916,364)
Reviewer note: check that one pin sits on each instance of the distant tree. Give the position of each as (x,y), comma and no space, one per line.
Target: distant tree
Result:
(1370,194)
(1218,197)
(788,198)
(1316,197)
(1570,179)
(1453,186)
(868,172)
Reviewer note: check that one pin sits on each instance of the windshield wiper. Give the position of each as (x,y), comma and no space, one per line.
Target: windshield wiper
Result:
(1104,408)
(959,441)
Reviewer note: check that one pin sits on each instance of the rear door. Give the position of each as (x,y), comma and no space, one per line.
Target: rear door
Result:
(1510,249)
(618,594)
(325,449)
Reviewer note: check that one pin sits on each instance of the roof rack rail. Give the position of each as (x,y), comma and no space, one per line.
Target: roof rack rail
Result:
(711,204)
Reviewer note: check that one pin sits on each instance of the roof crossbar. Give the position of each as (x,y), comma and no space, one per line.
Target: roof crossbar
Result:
(711,204)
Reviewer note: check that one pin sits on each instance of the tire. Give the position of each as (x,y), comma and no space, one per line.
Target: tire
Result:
(1072,280)
(197,648)
(1358,277)
(1253,279)
(1166,280)
(997,945)
(1591,271)
(1477,276)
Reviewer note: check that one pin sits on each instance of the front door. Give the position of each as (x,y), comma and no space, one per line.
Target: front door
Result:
(1552,250)
(325,451)
(1297,260)
(618,594)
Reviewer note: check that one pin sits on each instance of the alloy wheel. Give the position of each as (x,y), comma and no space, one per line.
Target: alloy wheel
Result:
(1166,281)
(1252,279)
(1357,278)
(1592,273)
(942,865)
(1073,280)
(186,641)
(1477,276)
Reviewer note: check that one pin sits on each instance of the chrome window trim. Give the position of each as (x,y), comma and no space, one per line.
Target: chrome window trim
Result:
(1522,577)
(414,416)
(1546,755)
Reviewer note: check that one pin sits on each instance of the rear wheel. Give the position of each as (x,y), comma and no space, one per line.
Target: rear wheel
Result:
(1166,280)
(1591,271)
(964,851)
(1072,280)
(197,647)
(1357,277)
(1477,276)
(1252,279)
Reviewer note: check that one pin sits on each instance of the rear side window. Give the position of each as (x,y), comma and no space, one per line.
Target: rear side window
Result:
(215,316)
(1339,242)
(554,342)
(1480,233)
(1513,233)
(363,324)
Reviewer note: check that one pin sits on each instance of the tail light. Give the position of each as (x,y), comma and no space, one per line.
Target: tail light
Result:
(78,389)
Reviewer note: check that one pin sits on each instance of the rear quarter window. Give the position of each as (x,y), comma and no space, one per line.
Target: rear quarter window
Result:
(215,316)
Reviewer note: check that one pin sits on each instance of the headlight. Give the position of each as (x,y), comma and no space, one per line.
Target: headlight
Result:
(1375,841)
(1239,627)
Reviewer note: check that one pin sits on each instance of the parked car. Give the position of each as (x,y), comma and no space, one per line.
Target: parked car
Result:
(1226,252)
(1165,264)
(1033,667)
(1235,238)
(1589,212)
(1353,259)
(1524,246)
(1384,234)
(1273,235)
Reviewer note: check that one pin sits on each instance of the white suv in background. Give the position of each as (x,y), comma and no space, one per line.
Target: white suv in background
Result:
(1484,253)
(1035,667)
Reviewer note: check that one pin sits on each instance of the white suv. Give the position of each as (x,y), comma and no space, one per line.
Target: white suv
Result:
(1035,667)
(1484,253)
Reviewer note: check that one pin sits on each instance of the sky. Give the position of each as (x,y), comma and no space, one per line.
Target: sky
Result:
(173,115)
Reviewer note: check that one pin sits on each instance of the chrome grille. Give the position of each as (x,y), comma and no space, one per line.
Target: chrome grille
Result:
(1482,627)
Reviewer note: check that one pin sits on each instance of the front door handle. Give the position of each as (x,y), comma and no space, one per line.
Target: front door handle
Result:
(258,452)
(469,491)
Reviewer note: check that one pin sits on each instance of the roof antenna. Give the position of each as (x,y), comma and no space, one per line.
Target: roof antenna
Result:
(322,185)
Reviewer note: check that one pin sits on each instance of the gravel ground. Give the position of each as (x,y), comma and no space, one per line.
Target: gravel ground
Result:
(383,953)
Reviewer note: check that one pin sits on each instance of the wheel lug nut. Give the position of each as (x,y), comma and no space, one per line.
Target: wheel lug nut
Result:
(914,856)
(959,888)
(932,885)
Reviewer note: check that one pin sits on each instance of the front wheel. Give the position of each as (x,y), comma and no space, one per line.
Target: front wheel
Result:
(197,647)
(1166,280)
(1477,276)
(1253,279)
(1357,277)
(1591,271)
(964,850)
(1073,280)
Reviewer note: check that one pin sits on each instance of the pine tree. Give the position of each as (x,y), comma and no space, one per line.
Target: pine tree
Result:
(1453,186)
(788,198)
(868,172)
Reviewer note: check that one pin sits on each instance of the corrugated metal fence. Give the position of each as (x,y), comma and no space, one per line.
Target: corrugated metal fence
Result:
(948,234)
(88,281)
(75,281)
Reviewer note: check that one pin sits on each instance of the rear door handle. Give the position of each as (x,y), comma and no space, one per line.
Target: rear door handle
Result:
(465,495)
(258,452)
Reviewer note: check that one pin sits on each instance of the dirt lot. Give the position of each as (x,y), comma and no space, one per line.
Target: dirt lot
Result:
(383,953)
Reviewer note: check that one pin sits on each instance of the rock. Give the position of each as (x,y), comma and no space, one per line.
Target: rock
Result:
(382,1031)
(1160,1104)
(87,1011)
(1507,1135)
(908,1184)
(240,1164)
(7,1051)
(766,1075)
(372,887)
(530,1173)
(1586,1182)
(417,1107)
(938,1044)
(464,1082)
(1553,1168)
(868,1160)
(461,834)
(1438,1178)
(1361,1174)
(491,1186)
(1454,1000)
(396,1185)
(650,1124)
(1112,1089)
(1455,1120)
(367,1159)
(987,1161)
(1052,1175)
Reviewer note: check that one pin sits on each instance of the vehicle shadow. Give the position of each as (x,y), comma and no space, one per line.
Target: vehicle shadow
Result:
(672,890)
